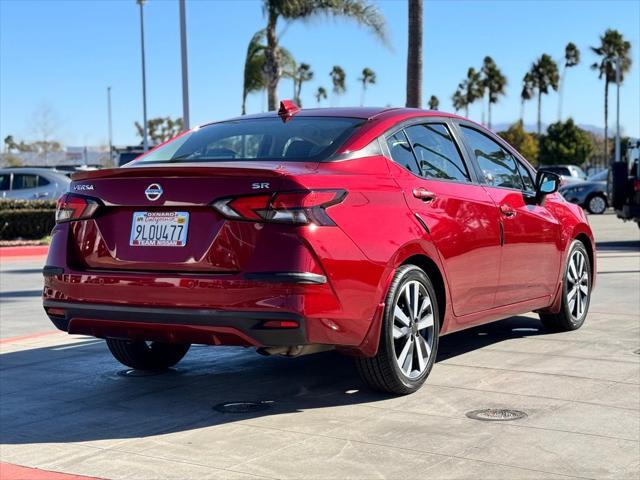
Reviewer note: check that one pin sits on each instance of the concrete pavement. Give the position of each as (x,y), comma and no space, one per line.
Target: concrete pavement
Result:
(66,406)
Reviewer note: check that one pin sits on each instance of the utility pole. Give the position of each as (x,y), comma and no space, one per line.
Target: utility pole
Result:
(617,154)
(145,140)
(109,123)
(185,67)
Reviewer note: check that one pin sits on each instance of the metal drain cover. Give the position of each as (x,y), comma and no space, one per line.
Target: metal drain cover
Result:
(496,414)
(132,372)
(241,407)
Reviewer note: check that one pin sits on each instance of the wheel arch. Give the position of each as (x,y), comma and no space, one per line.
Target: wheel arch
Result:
(432,270)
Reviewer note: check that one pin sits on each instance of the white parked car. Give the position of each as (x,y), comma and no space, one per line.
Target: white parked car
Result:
(32,183)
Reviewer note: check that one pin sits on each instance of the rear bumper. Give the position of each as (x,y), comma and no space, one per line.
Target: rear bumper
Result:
(176,324)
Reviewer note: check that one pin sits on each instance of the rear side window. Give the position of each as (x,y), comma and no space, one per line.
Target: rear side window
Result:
(401,152)
(5,181)
(23,181)
(497,165)
(437,154)
(299,139)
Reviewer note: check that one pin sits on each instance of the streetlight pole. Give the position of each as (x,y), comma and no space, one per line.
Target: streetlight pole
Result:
(145,140)
(109,122)
(617,154)
(185,74)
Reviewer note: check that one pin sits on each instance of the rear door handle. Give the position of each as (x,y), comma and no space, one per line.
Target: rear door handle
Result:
(423,194)
(507,210)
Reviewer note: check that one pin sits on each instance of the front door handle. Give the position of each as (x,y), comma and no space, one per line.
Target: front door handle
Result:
(507,210)
(423,194)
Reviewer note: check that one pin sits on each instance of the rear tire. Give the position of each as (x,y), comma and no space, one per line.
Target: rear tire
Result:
(142,355)
(576,292)
(408,337)
(597,204)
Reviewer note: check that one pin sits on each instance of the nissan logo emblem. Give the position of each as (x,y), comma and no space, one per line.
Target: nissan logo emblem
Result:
(153,192)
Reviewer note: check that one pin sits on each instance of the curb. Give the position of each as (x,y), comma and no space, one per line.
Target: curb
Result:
(9,253)
(9,471)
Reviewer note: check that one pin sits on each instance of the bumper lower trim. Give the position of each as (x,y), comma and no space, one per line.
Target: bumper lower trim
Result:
(304,278)
(248,322)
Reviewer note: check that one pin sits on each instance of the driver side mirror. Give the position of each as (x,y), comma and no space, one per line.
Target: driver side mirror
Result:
(546,183)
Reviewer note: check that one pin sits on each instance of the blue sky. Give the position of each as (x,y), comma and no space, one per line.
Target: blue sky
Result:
(65,53)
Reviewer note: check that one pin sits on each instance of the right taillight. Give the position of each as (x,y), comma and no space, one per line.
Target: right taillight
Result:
(298,208)
(75,207)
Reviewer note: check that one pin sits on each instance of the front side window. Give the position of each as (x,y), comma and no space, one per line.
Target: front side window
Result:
(497,165)
(401,152)
(437,154)
(5,181)
(299,139)
(23,181)
(527,179)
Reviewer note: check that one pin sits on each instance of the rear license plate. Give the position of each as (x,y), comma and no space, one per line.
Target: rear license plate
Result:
(159,229)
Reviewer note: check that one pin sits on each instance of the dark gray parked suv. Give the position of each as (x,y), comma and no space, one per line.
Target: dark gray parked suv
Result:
(590,194)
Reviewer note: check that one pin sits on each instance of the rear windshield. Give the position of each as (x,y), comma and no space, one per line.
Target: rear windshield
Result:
(299,139)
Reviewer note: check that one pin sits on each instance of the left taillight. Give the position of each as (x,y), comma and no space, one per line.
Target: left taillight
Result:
(75,207)
(297,207)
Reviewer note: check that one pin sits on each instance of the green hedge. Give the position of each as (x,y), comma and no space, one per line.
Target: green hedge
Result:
(27,219)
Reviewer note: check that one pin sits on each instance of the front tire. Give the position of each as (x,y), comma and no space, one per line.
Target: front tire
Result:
(152,356)
(408,336)
(576,292)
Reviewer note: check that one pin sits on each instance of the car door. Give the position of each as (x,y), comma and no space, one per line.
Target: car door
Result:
(27,186)
(460,217)
(531,234)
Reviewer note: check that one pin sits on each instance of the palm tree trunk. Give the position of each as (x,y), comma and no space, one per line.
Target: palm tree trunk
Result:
(561,93)
(606,121)
(244,102)
(539,112)
(364,89)
(272,62)
(489,113)
(466,111)
(414,55)
(522,111)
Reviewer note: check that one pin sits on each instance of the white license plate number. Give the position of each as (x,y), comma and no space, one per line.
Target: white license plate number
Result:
(159,229)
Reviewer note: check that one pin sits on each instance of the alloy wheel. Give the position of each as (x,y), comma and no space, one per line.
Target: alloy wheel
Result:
(413,329)
(597,205)
(577,285)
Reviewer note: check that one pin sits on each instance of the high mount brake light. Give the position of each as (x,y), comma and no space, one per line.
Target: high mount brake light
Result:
(75,207)
(298,208)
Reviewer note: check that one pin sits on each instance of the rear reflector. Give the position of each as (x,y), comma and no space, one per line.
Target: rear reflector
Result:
(75,207)
(55,312)
(299,208)
(280,324)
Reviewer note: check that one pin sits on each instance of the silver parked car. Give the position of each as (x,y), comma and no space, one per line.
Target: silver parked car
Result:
(32,183)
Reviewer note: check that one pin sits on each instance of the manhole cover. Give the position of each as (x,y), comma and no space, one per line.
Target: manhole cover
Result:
(131,372)
(496,414)
(241,407)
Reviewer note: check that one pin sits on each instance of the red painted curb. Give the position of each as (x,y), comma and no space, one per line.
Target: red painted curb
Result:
(27,251)
(9,471)
(26,337)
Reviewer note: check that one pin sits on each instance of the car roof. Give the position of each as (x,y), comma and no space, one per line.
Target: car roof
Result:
(365,113)
(32,170)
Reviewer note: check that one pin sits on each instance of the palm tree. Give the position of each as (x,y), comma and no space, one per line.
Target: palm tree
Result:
(469,90)
(434,103)
(526,94)
(254,76)
(494,82)
(321,94)
(612,47)
(338,78)
(414,55)
(368,78)
(544,75)
(571,59)
(459,101)
(361,11)
(302,74)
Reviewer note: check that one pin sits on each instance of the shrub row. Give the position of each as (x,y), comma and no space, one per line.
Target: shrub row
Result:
(26,219)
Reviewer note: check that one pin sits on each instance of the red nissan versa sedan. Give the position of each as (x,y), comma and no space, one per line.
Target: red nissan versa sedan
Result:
(371,231)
